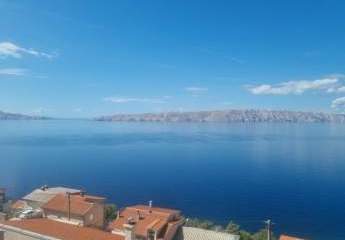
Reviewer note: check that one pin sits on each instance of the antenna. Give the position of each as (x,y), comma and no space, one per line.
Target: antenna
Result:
(269,224)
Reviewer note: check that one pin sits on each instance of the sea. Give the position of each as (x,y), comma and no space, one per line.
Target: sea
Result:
(293,174)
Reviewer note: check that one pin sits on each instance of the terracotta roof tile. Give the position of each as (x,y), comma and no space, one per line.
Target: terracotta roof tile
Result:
(155,209)
(146,218)
(61,231)
(20,204)
(80,205)
(285,237)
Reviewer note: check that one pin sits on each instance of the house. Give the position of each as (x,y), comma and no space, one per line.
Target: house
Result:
(46,229)
(142,222)
(4,205)
(19,206)
(285,237)
(42,195)
(2,198)
(191,233)
(80,209)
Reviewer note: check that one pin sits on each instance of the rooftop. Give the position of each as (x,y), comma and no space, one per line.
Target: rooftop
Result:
(60,230)
(80,204)
(144,218)
(156,210)
(285,237)
(19,204)
(44,194)
(190,233)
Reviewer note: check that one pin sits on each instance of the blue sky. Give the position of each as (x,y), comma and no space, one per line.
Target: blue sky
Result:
(90,58)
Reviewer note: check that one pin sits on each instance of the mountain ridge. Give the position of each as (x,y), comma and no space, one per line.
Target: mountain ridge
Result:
(18,116)
(229,116)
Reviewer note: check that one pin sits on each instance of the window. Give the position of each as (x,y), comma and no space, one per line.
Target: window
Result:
(151,235)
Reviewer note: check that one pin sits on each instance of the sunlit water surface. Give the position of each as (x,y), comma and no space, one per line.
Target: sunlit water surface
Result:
(291,173)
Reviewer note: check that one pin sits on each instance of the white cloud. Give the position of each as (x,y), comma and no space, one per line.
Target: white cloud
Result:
(336,75)
(196,91)
(338,103)
(131,99)
(340,89)
(294,87)
(8,49)
(13,71)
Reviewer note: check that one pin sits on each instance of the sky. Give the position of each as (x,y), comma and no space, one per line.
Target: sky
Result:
(85,58)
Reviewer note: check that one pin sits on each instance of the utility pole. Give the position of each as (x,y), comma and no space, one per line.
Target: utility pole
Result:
(269,228)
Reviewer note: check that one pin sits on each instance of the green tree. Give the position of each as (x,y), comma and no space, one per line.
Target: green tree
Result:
(199,223)
(232,228)
(244,235)
(217,228)
(262,235)
(110,212)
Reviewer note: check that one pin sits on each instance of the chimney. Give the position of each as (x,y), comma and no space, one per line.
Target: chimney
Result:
(129,231)
(150,205)
(138,216)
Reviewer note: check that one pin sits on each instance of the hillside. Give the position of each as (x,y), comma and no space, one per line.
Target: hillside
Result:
(16,116)
(229,116)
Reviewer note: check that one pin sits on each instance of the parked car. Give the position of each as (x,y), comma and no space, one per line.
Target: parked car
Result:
(30,213)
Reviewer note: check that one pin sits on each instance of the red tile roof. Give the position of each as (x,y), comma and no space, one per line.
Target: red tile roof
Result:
(145,218)
(20,204)
(60,230)
(80,205)
(156,210)
(285,237)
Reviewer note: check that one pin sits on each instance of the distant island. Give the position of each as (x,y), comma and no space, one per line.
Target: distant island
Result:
(16,116)
(230,116)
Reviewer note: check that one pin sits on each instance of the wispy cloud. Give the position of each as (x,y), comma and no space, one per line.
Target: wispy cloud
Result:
(8,49)
(296,87)
(336,89)
(336,75)
(196,91)
(13,71)
(132,99)
(338,103)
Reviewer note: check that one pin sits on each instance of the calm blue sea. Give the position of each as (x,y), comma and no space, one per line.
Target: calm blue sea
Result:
(291,173)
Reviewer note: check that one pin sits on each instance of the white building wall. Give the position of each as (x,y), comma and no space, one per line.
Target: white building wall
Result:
(11,233)
(73,221)
(17,236)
